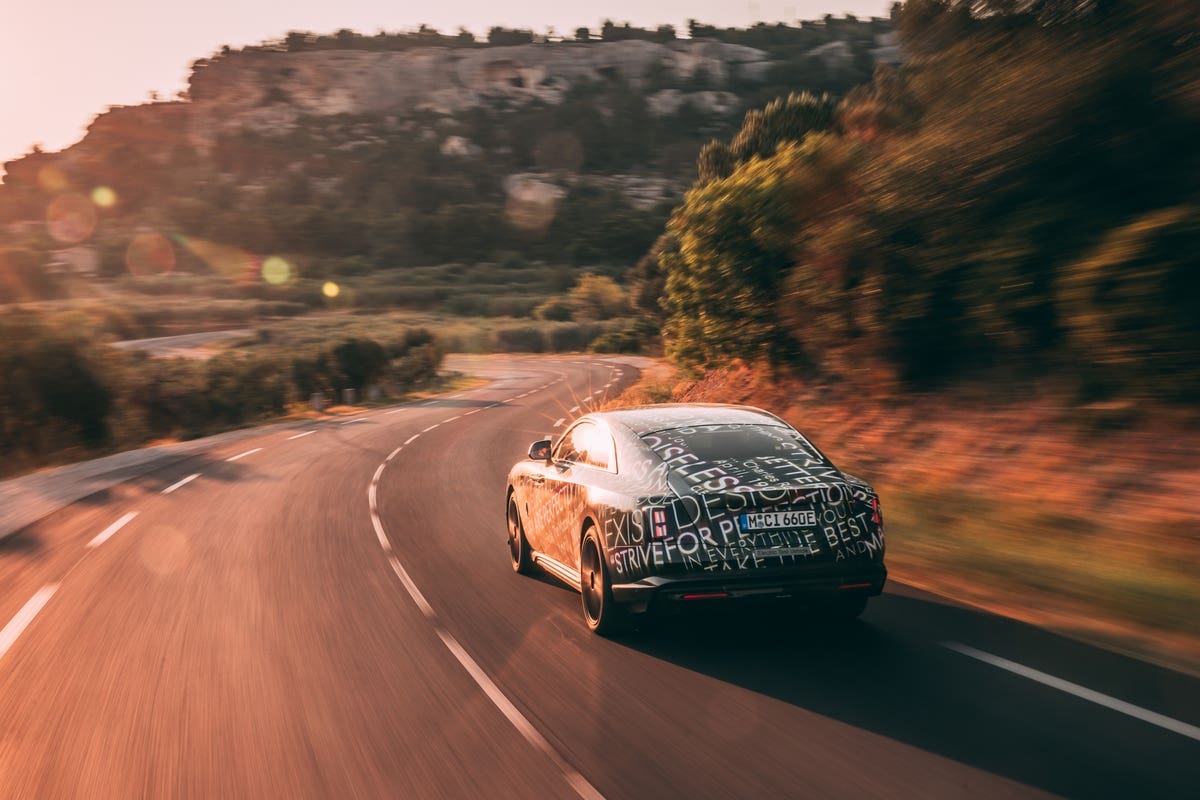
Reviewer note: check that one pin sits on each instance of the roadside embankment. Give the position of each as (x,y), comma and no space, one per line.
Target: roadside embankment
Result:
(1086,521)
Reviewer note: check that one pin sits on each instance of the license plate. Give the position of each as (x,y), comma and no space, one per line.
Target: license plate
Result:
(776,520)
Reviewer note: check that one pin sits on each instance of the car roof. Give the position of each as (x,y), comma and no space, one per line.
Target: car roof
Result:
(644,420)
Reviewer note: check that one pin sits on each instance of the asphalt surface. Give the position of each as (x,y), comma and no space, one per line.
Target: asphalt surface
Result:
(186,345)
(332,614)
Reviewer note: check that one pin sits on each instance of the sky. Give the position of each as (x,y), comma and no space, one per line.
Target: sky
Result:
(64,61)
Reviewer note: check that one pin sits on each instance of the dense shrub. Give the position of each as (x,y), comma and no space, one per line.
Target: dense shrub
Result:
(1018,200)
(60,392)
(519,339)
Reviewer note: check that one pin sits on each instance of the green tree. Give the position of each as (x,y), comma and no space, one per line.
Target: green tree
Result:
(1132,306)
(597,297)
(735,246)
(360,361)
(788,119)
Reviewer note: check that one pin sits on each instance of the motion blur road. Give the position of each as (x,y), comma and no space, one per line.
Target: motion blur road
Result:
(259,631)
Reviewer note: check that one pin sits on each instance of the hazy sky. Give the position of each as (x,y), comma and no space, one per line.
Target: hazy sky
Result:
(64,61)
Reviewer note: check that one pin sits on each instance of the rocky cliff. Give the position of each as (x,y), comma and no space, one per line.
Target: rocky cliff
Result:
(383,148)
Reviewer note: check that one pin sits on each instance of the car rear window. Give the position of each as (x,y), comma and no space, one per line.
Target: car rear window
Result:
(738,458)
(731,442)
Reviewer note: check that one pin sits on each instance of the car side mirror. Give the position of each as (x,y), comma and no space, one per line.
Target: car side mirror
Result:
(540,450)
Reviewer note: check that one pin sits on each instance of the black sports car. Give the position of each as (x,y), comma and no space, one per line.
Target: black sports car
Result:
(658,508)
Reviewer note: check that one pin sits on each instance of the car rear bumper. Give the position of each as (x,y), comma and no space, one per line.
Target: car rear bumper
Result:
(667,593)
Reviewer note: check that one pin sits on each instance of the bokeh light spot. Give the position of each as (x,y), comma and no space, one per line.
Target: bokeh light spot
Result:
(532,204)
(331,289)
(150,253)
(71,218)
(226,260)
(166,552)
(276,270)
(104,197)
(52,179)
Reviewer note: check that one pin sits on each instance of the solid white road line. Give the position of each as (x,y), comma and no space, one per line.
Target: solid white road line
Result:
(513,714)
(181,484)
(301,435)
(17,625)
(108,532)
(1129,709)
(243,455)
(518,720)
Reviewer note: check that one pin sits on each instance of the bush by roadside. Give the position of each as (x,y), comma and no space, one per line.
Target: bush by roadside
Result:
(64,395)
(1017,505)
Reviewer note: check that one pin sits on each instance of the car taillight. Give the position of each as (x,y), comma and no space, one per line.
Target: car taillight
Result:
(658,523)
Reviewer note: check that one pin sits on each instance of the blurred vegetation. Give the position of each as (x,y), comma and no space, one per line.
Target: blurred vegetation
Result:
(1019,200)
(64,393)
(352,195)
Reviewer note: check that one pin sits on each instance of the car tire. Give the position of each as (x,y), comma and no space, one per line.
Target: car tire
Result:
(518,545)
(600,613)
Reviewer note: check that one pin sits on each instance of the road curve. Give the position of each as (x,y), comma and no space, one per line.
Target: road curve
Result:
(328,611)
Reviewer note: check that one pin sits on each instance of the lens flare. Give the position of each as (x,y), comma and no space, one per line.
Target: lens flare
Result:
(276,271)
(71,218)
(104,197)
(52,179)
(227,260)
(532,204)
(331,289)
(150,253)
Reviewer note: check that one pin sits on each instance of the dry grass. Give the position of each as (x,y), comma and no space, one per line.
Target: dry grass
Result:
(1022,507)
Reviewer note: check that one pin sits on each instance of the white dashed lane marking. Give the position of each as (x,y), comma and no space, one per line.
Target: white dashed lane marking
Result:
(17,625)
(1129,709)
(181,483)
(560,421)
(301,435)
(493,692)
(106,534)
(243,455)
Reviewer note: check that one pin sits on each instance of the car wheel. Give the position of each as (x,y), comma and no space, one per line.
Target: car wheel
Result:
(601,614)
(518,547)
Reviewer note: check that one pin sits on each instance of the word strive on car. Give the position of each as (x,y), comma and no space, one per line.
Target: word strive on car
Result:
(657,508)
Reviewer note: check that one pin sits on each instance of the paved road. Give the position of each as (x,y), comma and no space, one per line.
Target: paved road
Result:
(260,631)
(186,345)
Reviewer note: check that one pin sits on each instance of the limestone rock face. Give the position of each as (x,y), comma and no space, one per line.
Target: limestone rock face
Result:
(669,101)
(234,90)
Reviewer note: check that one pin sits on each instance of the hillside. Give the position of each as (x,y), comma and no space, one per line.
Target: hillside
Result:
(348,154)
